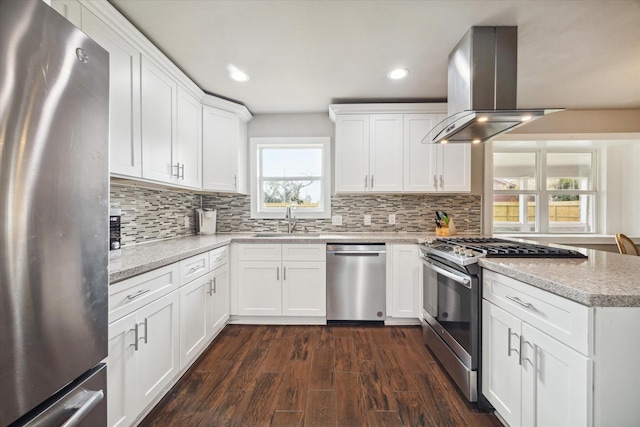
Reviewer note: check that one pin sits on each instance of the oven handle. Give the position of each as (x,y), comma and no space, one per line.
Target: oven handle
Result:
(459,279)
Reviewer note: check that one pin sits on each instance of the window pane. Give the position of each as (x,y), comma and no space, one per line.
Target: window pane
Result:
(571,213)
(514,213)
(514,171)
(569,171)
(291,162)
(277,194)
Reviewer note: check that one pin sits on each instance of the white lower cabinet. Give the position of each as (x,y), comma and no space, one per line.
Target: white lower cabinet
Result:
(530,377)
(289,281)
(218,297)
(143,358)
(193,319)
(406,282)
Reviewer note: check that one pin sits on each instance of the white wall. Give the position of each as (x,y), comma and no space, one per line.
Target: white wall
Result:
(623,189)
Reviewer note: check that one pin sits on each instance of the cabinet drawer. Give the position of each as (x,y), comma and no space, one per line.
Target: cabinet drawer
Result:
(304,252)
(563,319)
(259,252)
(194,267)
(129,295)
(218,257)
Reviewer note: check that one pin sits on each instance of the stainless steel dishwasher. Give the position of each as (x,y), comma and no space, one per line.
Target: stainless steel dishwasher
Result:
(356,282)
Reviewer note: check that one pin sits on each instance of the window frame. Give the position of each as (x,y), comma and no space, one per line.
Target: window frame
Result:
(256,180)
(542,194)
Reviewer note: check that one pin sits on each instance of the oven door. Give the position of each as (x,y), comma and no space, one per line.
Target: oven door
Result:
(450,301)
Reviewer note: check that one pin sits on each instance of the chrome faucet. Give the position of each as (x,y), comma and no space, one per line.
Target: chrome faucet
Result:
(289,217)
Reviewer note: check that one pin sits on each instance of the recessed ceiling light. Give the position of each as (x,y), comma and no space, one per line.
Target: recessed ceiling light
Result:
(476,141)
(236,74)
(444,141)
(483,119)
(525,118)
(398,73)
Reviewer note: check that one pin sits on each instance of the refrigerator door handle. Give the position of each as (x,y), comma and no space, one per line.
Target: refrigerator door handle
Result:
(84,407)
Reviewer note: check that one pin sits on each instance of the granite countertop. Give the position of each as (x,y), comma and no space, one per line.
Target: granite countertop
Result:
(605,279)
(138,259)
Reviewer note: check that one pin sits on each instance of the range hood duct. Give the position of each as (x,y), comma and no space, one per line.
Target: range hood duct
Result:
(482,88)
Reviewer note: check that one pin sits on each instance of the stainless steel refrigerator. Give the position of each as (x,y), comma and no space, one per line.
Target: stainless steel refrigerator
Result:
(54,86)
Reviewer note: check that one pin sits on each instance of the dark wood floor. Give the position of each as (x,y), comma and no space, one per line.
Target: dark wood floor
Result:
(317,376)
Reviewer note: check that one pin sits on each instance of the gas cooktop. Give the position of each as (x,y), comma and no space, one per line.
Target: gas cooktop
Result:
(499,248)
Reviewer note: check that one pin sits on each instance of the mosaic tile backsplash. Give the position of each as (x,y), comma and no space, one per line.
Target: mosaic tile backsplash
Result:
(414,213)
(152,214)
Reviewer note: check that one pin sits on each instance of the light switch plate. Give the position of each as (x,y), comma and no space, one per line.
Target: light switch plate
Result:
(367,220)
(336,220)
(392,219)
(187,223)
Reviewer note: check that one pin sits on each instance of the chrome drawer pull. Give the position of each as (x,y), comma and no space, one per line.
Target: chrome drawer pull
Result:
(518,301)
(194,269)
(509,349)
(137,294)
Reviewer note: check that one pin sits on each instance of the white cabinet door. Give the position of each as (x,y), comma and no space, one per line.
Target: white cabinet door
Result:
(218,307)
(158,358)
(259,288)
(555,382)
(455,172)
(501,376)
(385,152)
(352,153)
(193,319)
(420,160)
(406,281)
(189,145)
(124,97)
(158,124)
(221,145)
(123,404)
(304,288)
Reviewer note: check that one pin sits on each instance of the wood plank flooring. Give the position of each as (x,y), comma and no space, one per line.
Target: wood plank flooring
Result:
(348,376)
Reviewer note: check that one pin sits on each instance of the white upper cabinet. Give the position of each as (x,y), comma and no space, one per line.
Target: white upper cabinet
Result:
(352,153)
(369,153)
(124,97)
(385,152)
(189,147)
(159,131)
(379,148)
(224,145)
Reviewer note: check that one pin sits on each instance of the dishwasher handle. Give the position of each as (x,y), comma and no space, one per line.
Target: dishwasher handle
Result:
(355,253)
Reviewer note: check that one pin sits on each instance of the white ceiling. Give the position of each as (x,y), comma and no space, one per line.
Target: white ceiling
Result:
(303,55)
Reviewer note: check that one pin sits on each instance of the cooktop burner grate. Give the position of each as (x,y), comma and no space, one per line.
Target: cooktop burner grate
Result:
(499,248)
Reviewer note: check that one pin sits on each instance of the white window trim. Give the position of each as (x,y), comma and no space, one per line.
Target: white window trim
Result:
(278,213)
(541,193)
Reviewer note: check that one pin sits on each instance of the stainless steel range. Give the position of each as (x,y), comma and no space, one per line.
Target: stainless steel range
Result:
(452,300)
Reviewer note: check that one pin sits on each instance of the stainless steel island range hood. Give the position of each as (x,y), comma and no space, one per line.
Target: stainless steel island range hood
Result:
(482,88)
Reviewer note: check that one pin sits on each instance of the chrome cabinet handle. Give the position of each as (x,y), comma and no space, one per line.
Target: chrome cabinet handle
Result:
(235,181)
(84,408)
(146,330)
(441,182)
(137,294)
(214,285)
(519,301)
(182,171)
(277,273)
(177,168)
(372,182)
(284,273)
(365,182)
(522,359)
(435,182)
(194,269)
(135,337)
(509,349)
(210,291)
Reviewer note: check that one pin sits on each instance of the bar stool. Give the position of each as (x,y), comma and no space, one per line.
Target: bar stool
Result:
(626,245)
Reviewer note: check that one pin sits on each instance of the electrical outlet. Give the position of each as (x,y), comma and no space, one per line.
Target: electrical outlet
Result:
(336,220)
(392,219)
(367,220)
(187,222)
